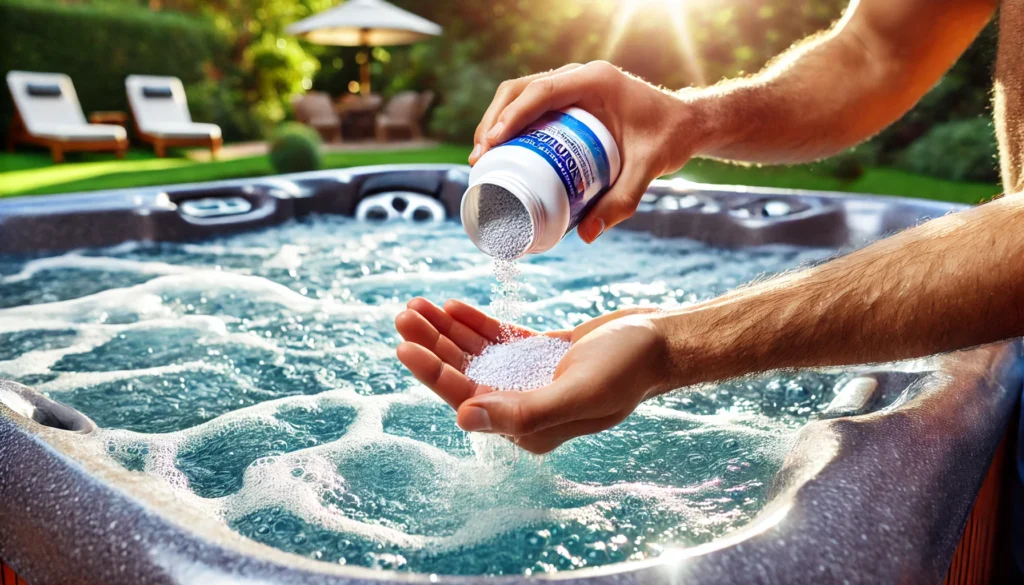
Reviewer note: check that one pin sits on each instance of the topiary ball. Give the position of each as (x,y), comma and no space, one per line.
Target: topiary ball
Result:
(295,148)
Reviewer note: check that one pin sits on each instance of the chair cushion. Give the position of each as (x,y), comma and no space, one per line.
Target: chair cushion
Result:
(45,111)
(194,130)
(324,121)
(82,133)
(390,122)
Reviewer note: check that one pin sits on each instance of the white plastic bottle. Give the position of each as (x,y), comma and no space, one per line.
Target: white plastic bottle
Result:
(526,194)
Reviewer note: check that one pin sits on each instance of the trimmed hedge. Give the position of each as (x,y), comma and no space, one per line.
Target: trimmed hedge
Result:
(99,45)
(959,150)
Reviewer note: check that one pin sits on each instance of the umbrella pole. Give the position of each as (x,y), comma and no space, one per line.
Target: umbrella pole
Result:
(364,73)
(364,67)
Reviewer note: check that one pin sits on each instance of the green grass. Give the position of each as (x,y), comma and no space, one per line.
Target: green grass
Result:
(880,181)
(32,173)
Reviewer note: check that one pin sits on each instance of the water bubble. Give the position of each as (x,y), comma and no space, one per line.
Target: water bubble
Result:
(230,380)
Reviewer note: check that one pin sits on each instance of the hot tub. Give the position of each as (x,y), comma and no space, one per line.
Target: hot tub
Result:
(879,487)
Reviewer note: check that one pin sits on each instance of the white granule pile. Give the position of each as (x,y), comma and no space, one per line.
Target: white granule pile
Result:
(523,364)
(506,230)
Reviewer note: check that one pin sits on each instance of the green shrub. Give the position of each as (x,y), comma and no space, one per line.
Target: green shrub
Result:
(219,103)
(467,88)
(849,165)
(98,45)
(295,148)
(960,150)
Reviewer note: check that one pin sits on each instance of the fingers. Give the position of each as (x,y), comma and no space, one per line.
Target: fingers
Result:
(450,384)
(507,91)
(414,327)
(521,413)
(488,327)
(466,338)
(617,205)
(550,93)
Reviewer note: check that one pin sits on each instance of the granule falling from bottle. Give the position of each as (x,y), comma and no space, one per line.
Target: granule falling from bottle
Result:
(506,231)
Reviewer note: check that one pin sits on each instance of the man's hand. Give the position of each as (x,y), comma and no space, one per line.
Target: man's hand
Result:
(642,118)
(615,362)
(821,97)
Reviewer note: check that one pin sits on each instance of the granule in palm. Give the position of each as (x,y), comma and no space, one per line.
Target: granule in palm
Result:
(523,364)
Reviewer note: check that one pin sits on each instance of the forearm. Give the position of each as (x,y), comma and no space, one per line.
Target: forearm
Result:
(951,283)
(835,90)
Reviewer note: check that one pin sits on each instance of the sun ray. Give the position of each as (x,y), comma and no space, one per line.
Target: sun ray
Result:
(678,12)
(684,42)
(623,16)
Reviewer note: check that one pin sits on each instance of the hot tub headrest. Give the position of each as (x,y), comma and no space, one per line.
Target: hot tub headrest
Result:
(30,404)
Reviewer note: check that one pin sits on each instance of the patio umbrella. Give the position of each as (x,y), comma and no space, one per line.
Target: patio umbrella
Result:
(364,23)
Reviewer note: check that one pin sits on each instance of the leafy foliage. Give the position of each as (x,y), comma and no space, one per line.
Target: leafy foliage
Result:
(959,150)
(234,52)
(241,69)
(98,45)
(223,102)
(487,42)
(268,67)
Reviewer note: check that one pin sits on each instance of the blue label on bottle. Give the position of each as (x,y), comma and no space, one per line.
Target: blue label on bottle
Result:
(575,153)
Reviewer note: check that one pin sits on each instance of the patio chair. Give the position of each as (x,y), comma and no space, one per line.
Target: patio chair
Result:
(405,112)
(315,109)
(47,113)
(162,118)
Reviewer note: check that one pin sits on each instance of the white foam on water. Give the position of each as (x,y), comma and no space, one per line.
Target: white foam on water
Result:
(483,484)
(40,362)
(72,380)
(145,300)
(98,263)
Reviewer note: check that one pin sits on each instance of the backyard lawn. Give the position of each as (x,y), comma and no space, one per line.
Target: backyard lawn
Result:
(32,173)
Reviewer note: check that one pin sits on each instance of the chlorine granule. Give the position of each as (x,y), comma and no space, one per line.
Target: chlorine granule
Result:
(512,364)
(521,364)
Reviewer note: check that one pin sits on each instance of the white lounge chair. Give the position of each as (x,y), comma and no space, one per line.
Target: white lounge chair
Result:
(47,113)
(161,115)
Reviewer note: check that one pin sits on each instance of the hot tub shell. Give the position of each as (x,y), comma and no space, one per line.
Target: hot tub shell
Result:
(880,497)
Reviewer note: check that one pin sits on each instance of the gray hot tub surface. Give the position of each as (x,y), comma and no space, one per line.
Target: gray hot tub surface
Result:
(872,498)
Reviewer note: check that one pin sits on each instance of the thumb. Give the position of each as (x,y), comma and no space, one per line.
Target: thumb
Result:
(520,413)
(617,205)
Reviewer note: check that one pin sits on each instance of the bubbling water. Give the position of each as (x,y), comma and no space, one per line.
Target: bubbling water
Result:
(255,376)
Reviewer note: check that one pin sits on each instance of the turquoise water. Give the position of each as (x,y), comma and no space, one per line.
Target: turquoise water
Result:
(256,376)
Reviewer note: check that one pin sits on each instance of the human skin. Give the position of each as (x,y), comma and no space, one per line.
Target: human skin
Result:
(945,285)
(822,96)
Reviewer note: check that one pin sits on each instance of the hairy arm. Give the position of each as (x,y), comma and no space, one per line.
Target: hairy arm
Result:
(945,285)
(828,93)
(835,90)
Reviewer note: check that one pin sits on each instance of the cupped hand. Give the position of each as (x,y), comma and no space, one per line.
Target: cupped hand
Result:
(652,128)
(614,363)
